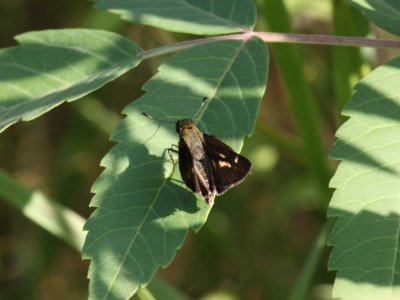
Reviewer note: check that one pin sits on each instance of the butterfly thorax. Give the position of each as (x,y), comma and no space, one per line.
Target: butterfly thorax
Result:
(192,136)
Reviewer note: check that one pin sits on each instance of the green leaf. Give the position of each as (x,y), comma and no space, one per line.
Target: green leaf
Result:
(143,214)
(366,234)
(189,16)
(384,13)
(53,66)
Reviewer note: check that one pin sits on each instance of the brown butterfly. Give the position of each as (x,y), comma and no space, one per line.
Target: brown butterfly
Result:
(208,166)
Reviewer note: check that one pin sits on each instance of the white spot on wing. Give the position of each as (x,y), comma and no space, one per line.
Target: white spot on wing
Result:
(223,164)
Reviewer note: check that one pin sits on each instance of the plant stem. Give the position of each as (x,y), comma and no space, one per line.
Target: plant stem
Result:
(320,39)
(300,98)
(145,294)
(304,280)
(187,44)
(277,37)
(60,221)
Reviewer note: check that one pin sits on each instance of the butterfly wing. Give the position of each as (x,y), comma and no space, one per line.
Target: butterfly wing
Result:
(196,174)
(186,166)
(229,168)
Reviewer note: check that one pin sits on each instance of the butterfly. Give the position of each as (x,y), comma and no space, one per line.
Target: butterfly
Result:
(208,166)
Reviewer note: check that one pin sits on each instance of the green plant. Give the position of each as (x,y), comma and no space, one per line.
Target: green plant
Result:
(141,218)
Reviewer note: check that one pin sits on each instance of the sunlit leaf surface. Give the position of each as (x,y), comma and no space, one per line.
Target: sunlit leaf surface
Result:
(53,66)
(366,235)
(384,13)
(189,16)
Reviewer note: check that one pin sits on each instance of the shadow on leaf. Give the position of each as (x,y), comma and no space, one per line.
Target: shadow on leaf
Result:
(141,219)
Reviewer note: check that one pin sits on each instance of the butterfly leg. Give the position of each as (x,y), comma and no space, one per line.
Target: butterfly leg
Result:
(187,195)
(172,150)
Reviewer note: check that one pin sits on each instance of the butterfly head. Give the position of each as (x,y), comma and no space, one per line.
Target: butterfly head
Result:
(184,124)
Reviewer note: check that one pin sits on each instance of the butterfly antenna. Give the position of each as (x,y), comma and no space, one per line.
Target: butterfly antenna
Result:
(193,117)
(200,108)
(159,120)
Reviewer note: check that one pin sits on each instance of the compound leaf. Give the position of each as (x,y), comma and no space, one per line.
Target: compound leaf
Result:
(366,235)
(53,66)
(143,212)
(384,13)
(189,16)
